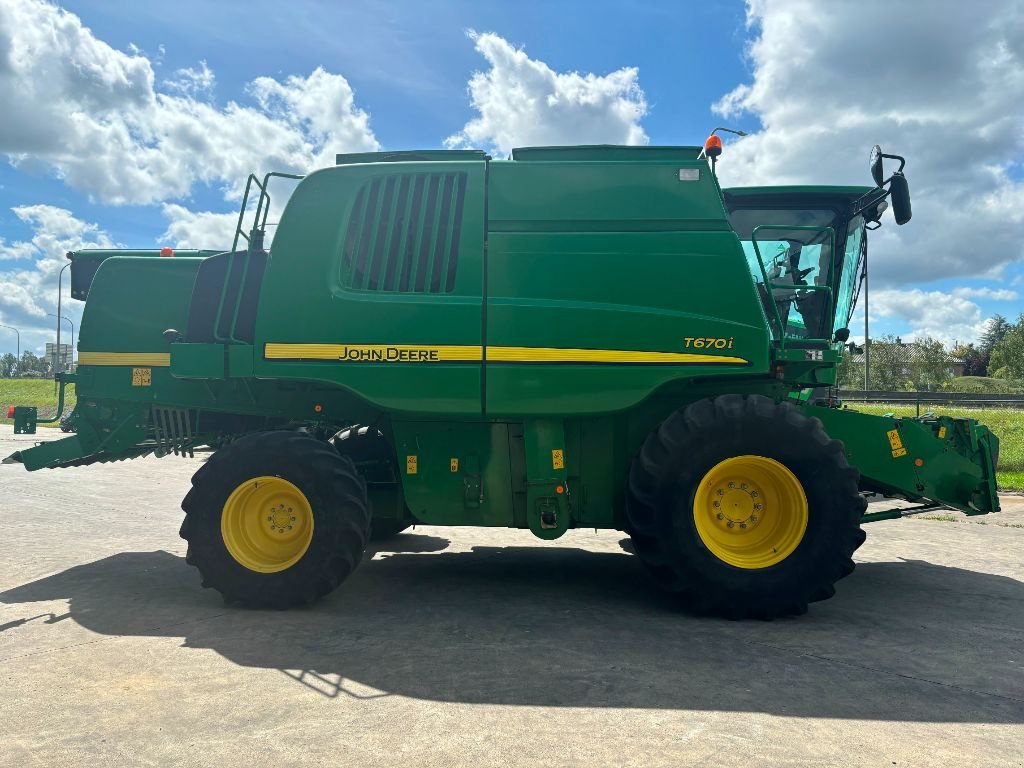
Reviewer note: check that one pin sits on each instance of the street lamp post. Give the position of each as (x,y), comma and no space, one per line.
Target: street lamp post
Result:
(17,361)
(60,278)
(71,323)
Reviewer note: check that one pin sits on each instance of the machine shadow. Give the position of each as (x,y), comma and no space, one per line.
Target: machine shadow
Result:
(550,626)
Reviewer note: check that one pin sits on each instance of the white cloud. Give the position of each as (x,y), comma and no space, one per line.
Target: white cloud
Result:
(996,294)
(523,102)
(191,81)
(55,232)
(944,87)
(198,229)
(93,115)
(28,294)
(214,230)
(939,315)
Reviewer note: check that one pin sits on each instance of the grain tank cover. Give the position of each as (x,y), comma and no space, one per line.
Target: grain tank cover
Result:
(606,153)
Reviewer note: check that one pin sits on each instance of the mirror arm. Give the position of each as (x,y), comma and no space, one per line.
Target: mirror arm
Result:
(871,198)
(902,160)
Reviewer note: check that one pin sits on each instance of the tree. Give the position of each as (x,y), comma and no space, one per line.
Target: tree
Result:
(975,362)
(8,365)
(1007,358)
(888,369)
(996,327)
(897,366)
(850,372)
(929,363)
(30,364)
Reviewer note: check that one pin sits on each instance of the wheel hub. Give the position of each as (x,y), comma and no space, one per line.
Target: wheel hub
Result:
(281,518)
(267,524)
(750,511)
(739,504)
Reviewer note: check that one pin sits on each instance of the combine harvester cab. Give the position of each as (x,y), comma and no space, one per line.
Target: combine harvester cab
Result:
(594,337)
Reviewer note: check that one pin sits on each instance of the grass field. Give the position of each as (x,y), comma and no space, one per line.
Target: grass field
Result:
(37,392)
(1007,424)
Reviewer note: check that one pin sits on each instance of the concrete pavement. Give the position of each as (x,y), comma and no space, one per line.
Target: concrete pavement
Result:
(487,647)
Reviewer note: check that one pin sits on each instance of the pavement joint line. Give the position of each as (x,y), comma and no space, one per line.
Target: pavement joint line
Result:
(877,670)
(145,632)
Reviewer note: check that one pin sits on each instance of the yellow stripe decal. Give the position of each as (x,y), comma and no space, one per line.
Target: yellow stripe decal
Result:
(148,359)
(556,355)
(417,353)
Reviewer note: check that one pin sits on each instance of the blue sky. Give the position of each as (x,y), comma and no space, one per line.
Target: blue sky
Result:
(408,69)
(409,64)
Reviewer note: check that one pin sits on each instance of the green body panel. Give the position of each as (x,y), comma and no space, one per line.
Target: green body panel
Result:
(514,329)
(133,300)
(304,299)
(455,473)
(85,262)
(25,419)
(937,458)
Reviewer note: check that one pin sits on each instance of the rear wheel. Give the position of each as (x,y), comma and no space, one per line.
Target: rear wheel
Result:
(744,507)
(275,519)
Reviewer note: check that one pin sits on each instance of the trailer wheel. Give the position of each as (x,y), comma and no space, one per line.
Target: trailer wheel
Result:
(375,461)
(276,519)
(744,507)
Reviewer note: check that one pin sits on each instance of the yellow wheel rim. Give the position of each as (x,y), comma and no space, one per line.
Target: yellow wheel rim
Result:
(750,511)
(267,524)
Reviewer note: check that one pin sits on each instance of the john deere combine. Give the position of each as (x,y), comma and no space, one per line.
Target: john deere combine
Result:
(577,337)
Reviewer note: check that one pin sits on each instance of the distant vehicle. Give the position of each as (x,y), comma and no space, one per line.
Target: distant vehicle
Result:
(67,424)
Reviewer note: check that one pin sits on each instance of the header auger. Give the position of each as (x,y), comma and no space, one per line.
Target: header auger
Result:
(591,336)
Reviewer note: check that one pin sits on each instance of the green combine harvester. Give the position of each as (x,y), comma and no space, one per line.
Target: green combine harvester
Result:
(577,337)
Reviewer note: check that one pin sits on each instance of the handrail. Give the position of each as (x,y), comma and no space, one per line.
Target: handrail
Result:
(769,286)
(254,242)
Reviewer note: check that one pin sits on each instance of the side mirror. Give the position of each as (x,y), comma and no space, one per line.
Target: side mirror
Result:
(875,163)
(899,192)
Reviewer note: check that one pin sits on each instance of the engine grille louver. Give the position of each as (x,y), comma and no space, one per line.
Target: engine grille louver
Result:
(403,234)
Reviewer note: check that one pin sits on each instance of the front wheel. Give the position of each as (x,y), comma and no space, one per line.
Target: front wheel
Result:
(744,507)
(276,519)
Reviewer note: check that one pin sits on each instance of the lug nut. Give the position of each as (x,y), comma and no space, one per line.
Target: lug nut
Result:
(730,524)
(753,494)
(270,518)
(757,506)
(716,503)
(743,486)
(721,516)
(732,485)
(743,525)
(293,519)
(753,518)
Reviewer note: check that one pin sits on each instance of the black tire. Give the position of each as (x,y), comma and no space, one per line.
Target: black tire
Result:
(375,460)
(337,497)
(660,506)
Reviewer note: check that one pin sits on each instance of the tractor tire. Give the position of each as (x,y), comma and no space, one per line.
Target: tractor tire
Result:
(745,508)
(276,519)
(375,460)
